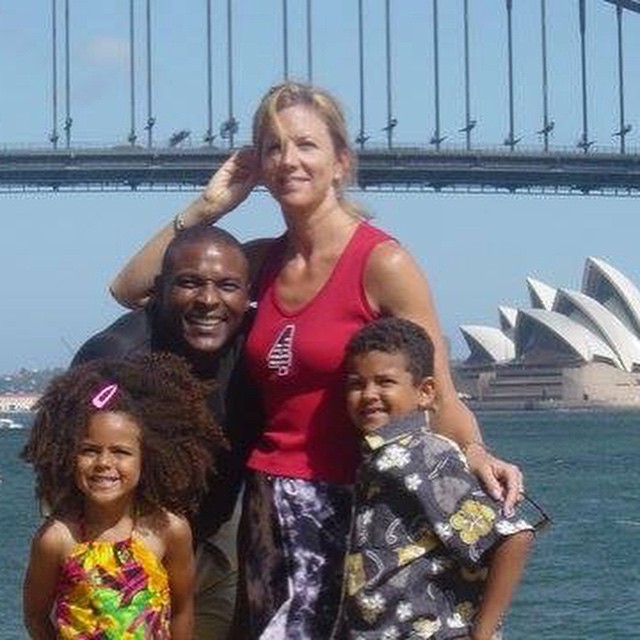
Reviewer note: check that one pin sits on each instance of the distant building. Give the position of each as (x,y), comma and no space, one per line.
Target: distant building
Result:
(570,349)
(17,402)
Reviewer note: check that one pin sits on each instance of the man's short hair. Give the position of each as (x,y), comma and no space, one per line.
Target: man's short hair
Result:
(195,235)
(396,335)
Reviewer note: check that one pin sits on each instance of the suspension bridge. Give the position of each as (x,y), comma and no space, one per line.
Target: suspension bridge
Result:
(503,95)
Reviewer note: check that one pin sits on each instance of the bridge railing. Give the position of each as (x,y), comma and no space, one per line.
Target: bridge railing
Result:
(407,168)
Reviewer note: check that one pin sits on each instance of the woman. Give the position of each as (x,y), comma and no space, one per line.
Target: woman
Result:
(327,276)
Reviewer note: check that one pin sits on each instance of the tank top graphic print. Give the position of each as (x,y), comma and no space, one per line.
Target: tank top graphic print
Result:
(281,353)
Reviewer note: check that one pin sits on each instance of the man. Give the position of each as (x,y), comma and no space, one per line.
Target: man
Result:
(199,311)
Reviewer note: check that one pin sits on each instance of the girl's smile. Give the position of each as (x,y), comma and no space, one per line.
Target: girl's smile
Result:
(109,458)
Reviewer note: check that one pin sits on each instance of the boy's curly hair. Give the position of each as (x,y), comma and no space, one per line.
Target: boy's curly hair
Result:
(395,335)
(179,437)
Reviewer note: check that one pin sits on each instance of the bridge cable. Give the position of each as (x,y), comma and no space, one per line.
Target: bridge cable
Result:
(208,137)
(53,137)
(361,138)
(150,117)
(510,141)
(547,125)
(230,126)
(67,67)
(391,121)
(624,127)
(436,139)
(584,142)
(469,125)
(309,43)
(132,75)
(285,39)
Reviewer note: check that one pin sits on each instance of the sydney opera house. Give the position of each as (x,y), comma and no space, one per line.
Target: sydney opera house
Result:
(569,349)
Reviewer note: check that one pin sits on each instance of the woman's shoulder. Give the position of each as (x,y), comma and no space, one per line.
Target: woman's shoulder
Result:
(389,257)
(394,282)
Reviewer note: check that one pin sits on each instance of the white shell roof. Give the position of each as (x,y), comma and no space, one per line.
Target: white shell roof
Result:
(578,338)
(602,322)
(508,317)
(488,343)
(627,303)
(624,343)
(541,295)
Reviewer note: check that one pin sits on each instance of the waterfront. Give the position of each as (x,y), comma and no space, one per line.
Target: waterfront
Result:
(583,579)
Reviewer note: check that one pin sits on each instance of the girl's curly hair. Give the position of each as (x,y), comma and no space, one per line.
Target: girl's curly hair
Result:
(179,436)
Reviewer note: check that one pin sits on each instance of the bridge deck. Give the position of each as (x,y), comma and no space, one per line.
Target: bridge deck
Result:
(390,169)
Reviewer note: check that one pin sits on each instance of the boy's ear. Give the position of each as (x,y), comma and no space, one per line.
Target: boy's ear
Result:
(427,392)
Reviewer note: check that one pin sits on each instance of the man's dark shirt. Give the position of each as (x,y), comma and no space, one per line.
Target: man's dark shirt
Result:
(234,402)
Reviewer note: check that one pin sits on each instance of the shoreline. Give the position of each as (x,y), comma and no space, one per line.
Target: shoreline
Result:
(548,406)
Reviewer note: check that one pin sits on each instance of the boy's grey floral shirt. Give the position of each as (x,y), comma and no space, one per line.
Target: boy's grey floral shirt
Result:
(422,526)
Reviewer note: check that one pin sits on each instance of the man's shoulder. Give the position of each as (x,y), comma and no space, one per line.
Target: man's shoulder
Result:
(129,335)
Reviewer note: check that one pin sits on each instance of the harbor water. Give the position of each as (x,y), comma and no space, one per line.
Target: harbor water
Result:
(583,578)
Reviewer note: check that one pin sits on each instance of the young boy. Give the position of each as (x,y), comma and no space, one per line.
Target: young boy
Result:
(431,554)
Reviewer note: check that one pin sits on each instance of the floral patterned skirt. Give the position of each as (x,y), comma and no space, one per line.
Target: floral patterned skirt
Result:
(293,540)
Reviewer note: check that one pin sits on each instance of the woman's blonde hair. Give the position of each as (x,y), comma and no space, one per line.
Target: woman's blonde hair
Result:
(328,109)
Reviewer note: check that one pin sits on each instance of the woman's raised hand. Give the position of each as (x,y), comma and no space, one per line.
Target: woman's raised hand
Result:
(232,182)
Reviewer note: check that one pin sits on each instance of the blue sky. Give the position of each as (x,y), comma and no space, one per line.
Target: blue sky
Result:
(59,251)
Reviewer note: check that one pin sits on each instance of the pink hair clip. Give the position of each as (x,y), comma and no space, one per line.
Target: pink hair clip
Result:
(103,397)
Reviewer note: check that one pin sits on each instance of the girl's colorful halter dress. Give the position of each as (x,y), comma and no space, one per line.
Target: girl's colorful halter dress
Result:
(112,591)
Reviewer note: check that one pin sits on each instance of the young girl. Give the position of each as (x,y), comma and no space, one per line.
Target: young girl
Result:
(121,452)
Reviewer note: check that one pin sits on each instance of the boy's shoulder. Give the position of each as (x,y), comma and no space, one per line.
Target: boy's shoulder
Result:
(413,432)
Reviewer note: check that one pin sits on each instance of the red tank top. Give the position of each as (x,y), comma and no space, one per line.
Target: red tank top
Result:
(296,360)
